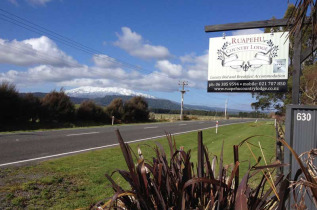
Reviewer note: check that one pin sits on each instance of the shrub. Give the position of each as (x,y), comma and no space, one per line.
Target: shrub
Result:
(185,117)
(177,184)
(115,108)
(10,106)
(58,107)
(136,110)
(32,107)
(89,111)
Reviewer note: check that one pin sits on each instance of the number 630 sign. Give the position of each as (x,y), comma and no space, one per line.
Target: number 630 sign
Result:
(303,116)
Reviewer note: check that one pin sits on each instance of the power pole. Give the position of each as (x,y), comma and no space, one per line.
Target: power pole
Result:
(183,91)
(226,104)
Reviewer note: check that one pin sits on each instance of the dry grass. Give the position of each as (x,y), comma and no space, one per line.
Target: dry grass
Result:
(175,117)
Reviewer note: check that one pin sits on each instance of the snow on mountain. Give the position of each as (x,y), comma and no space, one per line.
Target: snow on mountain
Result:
(97,92)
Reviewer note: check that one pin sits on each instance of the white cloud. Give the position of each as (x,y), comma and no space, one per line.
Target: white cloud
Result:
(173,70)
(247,31)
(38,2)
(134,44)
(72,76)
(44,73)
(32,2)
(86,82)
(197,67)
(189,58)
(103,75)
(105,61)
(34,51)
(46,64)
(14,2)
(156,81)
(114,73)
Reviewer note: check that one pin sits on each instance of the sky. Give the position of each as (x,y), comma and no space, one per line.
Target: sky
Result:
(142,45)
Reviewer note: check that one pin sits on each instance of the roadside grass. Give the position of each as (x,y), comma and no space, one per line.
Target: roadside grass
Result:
(78,181)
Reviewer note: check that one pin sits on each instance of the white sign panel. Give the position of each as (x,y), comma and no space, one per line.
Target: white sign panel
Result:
(249,63)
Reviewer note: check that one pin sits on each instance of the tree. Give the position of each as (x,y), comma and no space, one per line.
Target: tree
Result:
(298,16)
(277,101)
(58,107)
(32,107)
(308,85)
(136,110)
(89,111)
(115,108)
(10,106)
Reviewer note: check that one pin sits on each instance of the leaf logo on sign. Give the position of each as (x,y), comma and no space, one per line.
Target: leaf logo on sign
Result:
(264,52)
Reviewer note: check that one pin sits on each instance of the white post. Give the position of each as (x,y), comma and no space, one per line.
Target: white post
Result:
(226,109)
(275,123)
(216,126)
(256,120)
(112,120)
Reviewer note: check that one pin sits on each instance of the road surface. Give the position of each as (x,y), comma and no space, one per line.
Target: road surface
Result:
(27,147)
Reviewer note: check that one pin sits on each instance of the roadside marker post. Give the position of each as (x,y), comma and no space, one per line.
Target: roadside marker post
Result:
(217,127)
(112,120)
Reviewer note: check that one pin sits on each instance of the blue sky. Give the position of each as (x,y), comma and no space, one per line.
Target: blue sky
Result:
(160,43)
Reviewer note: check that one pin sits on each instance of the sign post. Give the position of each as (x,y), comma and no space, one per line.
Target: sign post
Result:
(301,135)
(269,64)
(300,56)
(217,127)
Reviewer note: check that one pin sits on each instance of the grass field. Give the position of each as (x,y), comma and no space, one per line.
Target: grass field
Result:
(78,181)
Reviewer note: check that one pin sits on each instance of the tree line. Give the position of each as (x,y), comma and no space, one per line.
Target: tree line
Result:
(308,80)
(56,107)
(254,114)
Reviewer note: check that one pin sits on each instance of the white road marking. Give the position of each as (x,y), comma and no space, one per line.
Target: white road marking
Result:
(201,122)
(151,127)
(182,124)
(79,134)
(111,145)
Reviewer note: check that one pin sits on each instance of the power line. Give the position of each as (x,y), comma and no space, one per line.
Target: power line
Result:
(28,25)
(65,42)
(35,28)
(45,29)
(45,58)
(58,37)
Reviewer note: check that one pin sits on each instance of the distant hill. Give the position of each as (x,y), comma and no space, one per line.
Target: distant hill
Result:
(154,103)
(100,92)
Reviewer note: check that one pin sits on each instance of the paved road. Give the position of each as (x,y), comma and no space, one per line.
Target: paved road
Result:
(22,148)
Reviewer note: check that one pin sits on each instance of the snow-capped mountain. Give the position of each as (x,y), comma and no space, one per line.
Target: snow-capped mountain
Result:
(97,92)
